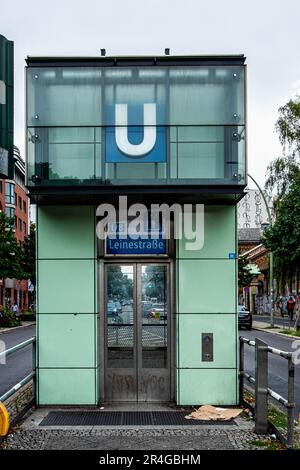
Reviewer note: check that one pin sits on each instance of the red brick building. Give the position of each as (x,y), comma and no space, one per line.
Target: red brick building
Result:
(15,202)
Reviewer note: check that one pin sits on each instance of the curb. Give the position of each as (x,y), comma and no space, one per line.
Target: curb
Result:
(5,330)
(275,333)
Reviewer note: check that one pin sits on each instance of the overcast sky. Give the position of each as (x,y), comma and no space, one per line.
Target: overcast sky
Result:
(267,32)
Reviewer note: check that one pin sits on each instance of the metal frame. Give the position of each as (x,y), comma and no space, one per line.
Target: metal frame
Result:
(31,376)
(137,262)
(126,61)
(260,381)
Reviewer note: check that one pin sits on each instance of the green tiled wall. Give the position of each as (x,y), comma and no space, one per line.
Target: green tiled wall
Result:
(67,340)
(68,352)
(190,328)
(67,386)
(206,303)
(67,308)
(206,386)
(206,285)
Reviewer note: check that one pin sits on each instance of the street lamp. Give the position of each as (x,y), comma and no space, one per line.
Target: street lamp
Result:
(271,257)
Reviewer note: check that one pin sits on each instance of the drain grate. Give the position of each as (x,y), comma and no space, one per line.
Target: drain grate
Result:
(124,418)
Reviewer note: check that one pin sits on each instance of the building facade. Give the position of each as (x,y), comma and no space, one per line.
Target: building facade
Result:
(14,201)
(142,320)
(6,107)
(252,212)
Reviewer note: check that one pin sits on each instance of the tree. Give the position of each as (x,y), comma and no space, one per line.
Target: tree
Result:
(28,255)
(283,170)
(119,283)
(245,276)
(283,238)
(10,252)
(154,278)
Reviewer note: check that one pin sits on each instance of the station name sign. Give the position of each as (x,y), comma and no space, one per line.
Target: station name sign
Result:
(146,244)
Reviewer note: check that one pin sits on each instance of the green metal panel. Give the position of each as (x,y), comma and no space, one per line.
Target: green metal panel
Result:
(190,329)
(6,106)
(67,340)
(203,386)
(66,286)
(219,234)
(66,232)
(206,286)
(67,387)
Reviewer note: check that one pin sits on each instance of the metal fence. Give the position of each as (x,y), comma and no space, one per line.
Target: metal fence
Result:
(262,391)
(29,377)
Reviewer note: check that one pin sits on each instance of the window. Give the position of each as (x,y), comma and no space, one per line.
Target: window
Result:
(24,206)
(20,202)
(20,225)
(9,193)
(24,228)
(10,211)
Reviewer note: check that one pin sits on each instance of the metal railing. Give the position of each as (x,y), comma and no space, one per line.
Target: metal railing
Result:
(262,391)
(29,377)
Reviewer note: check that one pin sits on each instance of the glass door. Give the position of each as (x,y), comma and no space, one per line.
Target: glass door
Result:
(137,333)
(153,354)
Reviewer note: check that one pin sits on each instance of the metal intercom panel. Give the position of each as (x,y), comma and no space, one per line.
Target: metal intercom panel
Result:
(207,347)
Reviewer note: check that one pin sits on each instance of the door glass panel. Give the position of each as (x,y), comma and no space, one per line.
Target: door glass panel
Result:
(154,321)
(120,316)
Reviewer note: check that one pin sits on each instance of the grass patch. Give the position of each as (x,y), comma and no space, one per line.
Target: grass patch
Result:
(287,331)
(277,417)
(267,444)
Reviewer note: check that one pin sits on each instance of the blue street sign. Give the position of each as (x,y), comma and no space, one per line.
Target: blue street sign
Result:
(127,245)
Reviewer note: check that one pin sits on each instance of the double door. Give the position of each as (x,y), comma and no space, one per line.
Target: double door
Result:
(137,332)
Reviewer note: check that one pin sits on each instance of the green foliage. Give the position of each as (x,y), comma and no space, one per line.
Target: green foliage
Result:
(8,318)
(28,256)
(283,170)
(119,284)
(10,250)
(244,275)
(283,238)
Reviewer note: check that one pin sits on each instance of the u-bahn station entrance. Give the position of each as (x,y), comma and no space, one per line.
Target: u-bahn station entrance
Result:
(144,318)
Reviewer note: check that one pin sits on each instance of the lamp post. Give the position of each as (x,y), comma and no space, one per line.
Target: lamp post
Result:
(271,258)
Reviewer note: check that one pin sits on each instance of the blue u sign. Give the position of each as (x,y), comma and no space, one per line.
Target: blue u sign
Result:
(129,143)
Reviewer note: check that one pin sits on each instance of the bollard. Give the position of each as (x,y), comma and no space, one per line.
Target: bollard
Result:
(241,374)
(261,387)
(34,370)
(291,404)
(4,420)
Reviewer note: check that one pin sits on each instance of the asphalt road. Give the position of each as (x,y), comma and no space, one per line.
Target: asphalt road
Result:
(19,364)
(277,365)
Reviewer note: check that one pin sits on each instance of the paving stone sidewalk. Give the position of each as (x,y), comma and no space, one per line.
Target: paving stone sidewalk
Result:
(29,436)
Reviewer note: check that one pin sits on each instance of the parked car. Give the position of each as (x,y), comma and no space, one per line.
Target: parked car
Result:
(158,311)
(146,307)
(244,317)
